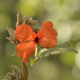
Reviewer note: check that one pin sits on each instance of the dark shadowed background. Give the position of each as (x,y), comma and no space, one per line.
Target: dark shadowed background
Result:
(65,15)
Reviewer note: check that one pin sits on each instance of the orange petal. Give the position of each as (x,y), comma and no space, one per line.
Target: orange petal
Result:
(47,29)
(28,53)
(24,32)
(48,41)
(21,49)
(25,49)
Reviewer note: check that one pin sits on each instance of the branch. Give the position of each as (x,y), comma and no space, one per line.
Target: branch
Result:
(25,71)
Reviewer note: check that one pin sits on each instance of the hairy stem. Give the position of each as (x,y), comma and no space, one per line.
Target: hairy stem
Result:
(25,71)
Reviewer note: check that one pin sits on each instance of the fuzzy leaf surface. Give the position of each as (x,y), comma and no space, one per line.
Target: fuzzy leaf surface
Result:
(12,36)
(15,75)
(62,48)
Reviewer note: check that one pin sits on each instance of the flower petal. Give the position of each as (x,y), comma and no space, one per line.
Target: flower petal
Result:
(48,41)
(24,32)
(25,49)
(21,49)
(28,53)
(47,29)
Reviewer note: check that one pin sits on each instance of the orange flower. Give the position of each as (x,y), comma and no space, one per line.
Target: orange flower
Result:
(46,37)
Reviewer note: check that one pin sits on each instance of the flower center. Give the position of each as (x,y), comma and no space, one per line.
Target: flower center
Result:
(36,39)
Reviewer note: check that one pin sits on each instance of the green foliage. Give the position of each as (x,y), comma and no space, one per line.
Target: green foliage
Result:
(63,48)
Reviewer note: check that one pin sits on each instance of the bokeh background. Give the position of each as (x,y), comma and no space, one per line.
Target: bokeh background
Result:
(65,15)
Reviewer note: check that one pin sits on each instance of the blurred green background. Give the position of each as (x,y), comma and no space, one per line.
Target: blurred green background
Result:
(65,15)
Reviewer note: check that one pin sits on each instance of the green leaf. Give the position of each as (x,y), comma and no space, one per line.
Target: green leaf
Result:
(63,48)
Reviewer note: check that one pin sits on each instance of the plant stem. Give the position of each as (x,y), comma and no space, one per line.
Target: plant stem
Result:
(25,71)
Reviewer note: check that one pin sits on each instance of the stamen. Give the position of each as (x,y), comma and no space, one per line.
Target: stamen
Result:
(33,59)
(36,50)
